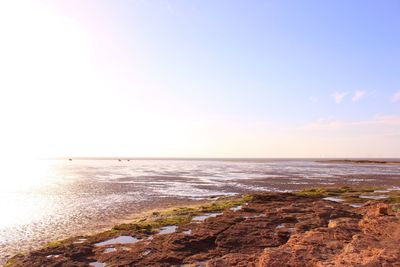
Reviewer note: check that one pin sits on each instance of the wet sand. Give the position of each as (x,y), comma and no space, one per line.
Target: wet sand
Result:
(92,226)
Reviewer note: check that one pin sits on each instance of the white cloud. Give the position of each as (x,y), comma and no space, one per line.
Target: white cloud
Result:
(338,96)
(396,97)
(358,95)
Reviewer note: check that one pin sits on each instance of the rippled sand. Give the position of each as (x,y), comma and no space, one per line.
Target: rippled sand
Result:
(80,196)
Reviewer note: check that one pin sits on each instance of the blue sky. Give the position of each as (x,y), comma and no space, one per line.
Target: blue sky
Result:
(212,78)
(267,57)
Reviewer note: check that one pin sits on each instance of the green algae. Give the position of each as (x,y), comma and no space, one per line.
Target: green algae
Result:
(336,191)
(352,194)
(312,192)
(11,261)
(394,200)
(221,205)
(178,215)
(53,244)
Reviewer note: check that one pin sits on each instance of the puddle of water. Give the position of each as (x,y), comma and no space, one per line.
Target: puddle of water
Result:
(334,199)
(201,218)
(354,205)
(236,208)
(374,197)
(188,232)
(147,252)
(381,191)
(167,230)
(80,241)
(255,216)
(289,229)
(52,256)
(109,250)
(197,264)
(123,239)
(97,264)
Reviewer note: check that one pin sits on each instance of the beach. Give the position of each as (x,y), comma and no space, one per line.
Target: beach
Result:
(315,227)
(81,197)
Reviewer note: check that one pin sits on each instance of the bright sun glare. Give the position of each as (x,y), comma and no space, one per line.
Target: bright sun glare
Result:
(23,175)
(42,55)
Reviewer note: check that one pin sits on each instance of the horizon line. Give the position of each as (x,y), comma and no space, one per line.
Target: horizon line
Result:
(209,158)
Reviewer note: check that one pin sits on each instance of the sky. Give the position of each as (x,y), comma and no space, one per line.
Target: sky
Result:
(200,78)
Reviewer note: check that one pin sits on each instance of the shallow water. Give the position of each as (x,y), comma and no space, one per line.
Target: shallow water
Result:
(201,218)
(236,208)
(147,252)
(123,239)
(80,241)
(374,197)
(381,191)
(48,200)
(109,250)
(334,199)
(167,230)
(97,264)
(187,232)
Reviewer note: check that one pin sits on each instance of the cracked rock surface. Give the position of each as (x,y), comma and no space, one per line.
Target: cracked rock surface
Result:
(271,230)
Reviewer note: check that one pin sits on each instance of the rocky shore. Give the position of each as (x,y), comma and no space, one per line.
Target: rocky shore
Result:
(315,227)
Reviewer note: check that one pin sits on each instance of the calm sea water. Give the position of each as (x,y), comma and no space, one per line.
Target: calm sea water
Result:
(52,199)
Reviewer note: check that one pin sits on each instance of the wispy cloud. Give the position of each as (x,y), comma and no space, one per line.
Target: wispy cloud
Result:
(339,96)
(396,97)
(357,95)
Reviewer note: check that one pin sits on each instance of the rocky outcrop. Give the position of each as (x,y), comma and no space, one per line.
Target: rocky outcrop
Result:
(270,230)
(368,241)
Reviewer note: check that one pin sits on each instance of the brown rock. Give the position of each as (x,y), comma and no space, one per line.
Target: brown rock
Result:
(273,230)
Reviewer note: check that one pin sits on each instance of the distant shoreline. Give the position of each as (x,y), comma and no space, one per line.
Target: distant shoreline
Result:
(359,161)
(253,159)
